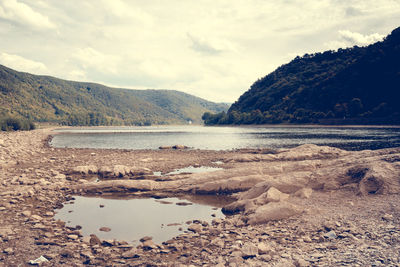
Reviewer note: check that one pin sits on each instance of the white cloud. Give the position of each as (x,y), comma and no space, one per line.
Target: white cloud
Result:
(348,38)
(22,64)
(355,38)
(90,58)
(21,13)
(122,10)
(211,46)
(77,75)
(202,46)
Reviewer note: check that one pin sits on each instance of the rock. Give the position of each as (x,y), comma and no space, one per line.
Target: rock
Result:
(249,250)
(165,147)
(264,248)
(330,235)
(73,237)
(240,205)
(301,263)
(145,238)
(387,217)
(36,217)
(303,193)
(49,213)
(26,213)
(8,251)
(179,147)
(105,172)
(66,253)
(265,257)
(195,227)
(118,186)
(273,211)
(38,261)
(94,240)
(272,195)
(183,203)
(234,184)
(105,229)
(91,169)
(149,244)
(120,170)
(86,239)
(108,243)
(132,253)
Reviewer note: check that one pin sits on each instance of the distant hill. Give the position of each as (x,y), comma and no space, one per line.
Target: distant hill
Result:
(359,85)
(48,99)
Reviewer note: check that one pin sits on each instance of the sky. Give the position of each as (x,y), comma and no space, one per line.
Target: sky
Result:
(214,49)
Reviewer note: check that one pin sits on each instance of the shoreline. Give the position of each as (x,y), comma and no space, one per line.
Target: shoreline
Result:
(36,178)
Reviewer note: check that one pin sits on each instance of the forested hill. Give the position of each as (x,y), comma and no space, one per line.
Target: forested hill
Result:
(359,85)
(48,99)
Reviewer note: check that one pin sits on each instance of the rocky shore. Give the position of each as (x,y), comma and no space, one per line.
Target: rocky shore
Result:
(306,206)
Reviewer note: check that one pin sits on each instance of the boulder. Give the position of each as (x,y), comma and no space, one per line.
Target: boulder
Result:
(264,248)
(105,172)
(149,244)
(120,171)
(94,240)
(195,227)
(273,211)
(85,170)
(231,185)
(140,172)
(249,250)
(132,253)
(272,195)
(238,206)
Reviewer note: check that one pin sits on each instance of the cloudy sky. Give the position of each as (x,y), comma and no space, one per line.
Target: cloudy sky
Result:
(214,49)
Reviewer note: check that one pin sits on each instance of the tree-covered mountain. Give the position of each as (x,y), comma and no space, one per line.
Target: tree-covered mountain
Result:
(359,85)
(48,99)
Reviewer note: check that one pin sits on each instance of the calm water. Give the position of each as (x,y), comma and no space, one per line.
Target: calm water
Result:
(225,138)
(132,219)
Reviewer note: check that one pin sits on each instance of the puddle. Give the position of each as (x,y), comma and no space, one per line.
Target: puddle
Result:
(132,219)
(189,169)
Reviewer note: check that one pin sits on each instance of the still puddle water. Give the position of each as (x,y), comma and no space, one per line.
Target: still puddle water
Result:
(132,219)
(192,169)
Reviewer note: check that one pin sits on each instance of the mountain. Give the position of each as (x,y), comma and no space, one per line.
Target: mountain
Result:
(48,99)
(359,85)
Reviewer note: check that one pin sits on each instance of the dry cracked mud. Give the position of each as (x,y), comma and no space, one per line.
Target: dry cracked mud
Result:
(306,206)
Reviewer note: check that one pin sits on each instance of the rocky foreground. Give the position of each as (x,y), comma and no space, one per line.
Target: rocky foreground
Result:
(306,206)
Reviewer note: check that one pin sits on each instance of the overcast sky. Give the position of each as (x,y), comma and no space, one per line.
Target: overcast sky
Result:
(214,49)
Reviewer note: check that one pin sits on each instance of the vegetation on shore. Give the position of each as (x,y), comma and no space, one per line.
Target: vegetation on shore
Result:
(16,124)
(358,85)
(52,100)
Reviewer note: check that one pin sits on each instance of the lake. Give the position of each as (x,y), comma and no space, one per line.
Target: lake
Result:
(227,138)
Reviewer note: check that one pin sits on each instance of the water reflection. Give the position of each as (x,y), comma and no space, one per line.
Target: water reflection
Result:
(131,219)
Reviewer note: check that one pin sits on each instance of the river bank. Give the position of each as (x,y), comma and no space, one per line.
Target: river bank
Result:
(327,206)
